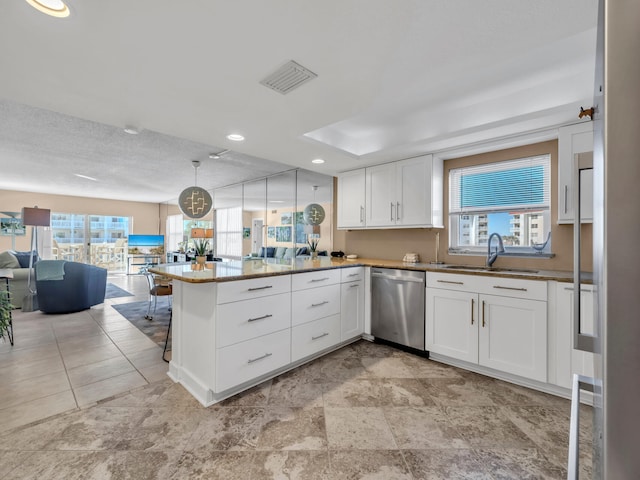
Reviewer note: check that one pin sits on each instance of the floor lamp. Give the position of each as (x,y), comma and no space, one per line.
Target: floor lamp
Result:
(34,218)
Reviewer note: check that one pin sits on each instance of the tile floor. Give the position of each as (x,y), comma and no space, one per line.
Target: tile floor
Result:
(78,406)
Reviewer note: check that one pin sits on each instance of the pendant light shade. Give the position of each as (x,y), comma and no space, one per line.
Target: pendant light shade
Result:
(195,202)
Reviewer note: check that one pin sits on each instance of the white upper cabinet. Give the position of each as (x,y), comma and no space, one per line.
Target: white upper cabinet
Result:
(574,139)
(402,194)
(351,199)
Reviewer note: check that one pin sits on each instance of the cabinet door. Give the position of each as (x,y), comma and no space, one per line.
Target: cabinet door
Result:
(513,336)
(574,139)
(451,327)
(351,199)
(568,359)
(413,192)
(351,309)
(381,195)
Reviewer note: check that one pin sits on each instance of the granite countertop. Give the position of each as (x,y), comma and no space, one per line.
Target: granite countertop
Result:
(259,267)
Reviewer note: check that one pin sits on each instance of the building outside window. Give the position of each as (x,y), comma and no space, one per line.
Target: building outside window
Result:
(511,198)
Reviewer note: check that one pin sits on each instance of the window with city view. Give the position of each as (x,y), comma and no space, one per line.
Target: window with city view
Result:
(511,198)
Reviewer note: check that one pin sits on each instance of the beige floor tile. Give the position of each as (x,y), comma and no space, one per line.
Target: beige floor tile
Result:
(36,410)
(155,373)
(389,367)
(29,369)
(23,391)
(129,347)
(285,428)
(451,464)
(90,355)
(215,465)
(147,358)
(60,466)
(91,393)
(423,427)
(76,344)
(512,463)
(128,334)
(102,370)
(358,429)
(373,464)
(299,465)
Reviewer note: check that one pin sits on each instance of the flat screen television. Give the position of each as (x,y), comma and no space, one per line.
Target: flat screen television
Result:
(143,244)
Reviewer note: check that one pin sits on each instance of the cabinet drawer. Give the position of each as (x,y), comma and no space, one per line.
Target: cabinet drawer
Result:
(351,274)
(240,321)
(253,288)
(301,281)
(490,285)
(308,305)
(244,361)
(314,336)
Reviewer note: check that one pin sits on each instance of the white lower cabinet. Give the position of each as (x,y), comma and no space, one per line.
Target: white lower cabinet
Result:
(351,309)
(568,359)
(506,333)
(314,336)
(244,361)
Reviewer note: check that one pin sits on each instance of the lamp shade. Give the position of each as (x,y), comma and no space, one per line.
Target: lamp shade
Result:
(36,217)
(208,233)
(198,233)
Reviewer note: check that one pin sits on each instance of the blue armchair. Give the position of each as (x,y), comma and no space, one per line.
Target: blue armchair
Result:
(65,287)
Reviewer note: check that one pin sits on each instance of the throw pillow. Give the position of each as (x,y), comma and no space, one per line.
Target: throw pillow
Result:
(290,253)
(8,260)
(23,258)
(280,251)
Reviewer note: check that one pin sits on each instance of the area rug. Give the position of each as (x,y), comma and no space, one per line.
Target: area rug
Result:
(155,329)
(114,292)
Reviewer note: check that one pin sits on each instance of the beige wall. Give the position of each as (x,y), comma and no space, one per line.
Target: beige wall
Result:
(393,244)
(146,216)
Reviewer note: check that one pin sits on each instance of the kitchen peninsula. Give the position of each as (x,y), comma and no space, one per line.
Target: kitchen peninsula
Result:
(238,323)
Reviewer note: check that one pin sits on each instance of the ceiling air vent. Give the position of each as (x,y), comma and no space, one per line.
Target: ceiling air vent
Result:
(288,77)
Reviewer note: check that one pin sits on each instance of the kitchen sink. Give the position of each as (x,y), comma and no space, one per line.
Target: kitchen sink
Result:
(489,269)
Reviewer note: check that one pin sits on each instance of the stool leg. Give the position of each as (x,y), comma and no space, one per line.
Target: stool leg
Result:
(166,340)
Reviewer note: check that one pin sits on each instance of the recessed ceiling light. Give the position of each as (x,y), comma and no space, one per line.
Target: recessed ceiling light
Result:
(317,160)
(87,177)
(276,201)
(215,156)
(131,130)
(236,137)
(55,8)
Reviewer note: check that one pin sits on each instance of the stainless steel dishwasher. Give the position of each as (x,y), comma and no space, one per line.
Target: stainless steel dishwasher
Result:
(397,306)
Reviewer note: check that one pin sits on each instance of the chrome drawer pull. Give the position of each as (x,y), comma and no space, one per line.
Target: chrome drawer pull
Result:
(259,318)
(319,336)
(354,285)
(251,360)
(319,304)
(510,288)
(582,289)
(320,279)
(259,288)
(449,281)
(353,275)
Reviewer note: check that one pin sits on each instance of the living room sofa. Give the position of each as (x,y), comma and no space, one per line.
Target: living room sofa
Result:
(65,287)
(286,253)
(18,262)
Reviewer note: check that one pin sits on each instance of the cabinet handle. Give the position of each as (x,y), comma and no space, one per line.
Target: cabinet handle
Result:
(391,211)
(361,214)
(319,279)
(483,322)
(582,289)
(452,282)
(251,360)
(259,288)
(354,285)
(320,336)
(259,318)
(566,197)
(319,304)
(397,210)
(473,302)
(353,275)
(510,288)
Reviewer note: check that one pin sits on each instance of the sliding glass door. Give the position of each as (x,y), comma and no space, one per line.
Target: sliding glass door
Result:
(95,239)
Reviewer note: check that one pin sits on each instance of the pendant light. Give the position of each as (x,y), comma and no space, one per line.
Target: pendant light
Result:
(314,213)
(195,202)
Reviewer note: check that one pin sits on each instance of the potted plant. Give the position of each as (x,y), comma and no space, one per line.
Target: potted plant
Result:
(313,247)
(5,313)
(201,246)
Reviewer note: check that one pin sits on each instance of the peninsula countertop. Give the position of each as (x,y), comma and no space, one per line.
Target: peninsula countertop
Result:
(263,267)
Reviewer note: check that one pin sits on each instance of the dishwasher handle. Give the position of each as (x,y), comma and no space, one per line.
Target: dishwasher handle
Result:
(397,278)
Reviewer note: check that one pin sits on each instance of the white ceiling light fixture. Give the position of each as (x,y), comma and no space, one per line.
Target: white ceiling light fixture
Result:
(216,156)
(317,161)
(54,8)
(235,137)
(79,175)
(131,130)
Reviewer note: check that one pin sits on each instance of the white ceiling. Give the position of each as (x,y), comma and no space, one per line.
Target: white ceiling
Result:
(395,79)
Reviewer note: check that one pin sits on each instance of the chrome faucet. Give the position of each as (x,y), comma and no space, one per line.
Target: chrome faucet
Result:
(492,257)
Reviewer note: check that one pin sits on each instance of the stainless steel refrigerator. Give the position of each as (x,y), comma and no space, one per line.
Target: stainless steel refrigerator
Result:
(615,339)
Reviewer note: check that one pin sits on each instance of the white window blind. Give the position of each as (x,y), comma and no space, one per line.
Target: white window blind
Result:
(513,185)
(229,232)
(175,232)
